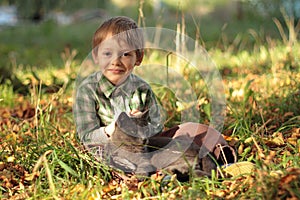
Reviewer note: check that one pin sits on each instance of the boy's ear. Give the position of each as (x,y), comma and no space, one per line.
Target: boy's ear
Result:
(139,58)
(95,55)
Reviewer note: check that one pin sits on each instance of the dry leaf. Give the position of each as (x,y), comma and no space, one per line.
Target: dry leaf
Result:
(248,140)
(239,168)
(277,140)
(288,114)
(10,159)
(2,166)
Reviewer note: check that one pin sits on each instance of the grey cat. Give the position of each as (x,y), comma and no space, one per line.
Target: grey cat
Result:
(132,151)
(131,132)
(186,161)
(128,147)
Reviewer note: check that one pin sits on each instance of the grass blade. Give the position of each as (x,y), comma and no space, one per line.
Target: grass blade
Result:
(67,168)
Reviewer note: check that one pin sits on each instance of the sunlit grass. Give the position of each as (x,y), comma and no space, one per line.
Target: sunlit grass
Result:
(262,115)
(7,95)
(41,157)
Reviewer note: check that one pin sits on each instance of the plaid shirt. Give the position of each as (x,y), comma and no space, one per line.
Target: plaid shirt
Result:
(99,103)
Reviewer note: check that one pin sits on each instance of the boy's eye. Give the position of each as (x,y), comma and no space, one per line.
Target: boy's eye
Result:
(125,54)
(106,53)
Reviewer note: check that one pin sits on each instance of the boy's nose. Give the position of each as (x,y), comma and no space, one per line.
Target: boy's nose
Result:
(116,60)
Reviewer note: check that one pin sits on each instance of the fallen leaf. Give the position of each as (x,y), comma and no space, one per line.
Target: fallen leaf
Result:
(276,174)
(277,140)
(2,166)
(292,141)
(10,159)
(239,168)
(248,140)
(288,114)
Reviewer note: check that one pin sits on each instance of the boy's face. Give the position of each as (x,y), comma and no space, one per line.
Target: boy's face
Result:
(116,59)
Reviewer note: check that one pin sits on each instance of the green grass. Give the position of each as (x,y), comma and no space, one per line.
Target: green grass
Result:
(45,146)
(41,157)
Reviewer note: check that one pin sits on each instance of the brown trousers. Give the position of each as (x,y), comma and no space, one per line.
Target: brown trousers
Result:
(208,139)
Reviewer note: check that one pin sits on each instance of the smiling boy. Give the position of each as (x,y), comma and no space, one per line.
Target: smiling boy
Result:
(113,89)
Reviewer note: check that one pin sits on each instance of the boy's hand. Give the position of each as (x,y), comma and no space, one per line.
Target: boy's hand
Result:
(110,129)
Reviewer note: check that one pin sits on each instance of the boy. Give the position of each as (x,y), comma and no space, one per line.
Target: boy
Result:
(104,96)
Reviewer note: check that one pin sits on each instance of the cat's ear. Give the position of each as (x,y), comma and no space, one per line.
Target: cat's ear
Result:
(145,113)
(142,115)
(127,123)
(122,120)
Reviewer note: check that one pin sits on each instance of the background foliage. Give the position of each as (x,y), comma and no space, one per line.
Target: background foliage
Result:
(255,46)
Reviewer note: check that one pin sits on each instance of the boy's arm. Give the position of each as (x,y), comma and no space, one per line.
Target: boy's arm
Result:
(87,121)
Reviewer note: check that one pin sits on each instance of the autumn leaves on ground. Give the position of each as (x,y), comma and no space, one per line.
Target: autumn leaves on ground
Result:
(40,156)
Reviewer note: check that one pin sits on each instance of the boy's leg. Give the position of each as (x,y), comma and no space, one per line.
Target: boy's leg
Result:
(197,132)
(208,139)
(201,134)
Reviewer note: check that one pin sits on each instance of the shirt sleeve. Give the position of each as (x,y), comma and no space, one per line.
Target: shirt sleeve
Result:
(85,115)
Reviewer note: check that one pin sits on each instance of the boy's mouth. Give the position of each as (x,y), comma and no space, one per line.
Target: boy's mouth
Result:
(116,71)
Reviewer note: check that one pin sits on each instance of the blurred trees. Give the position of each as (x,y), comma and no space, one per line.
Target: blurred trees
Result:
(273,7)
(36,10)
